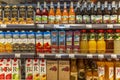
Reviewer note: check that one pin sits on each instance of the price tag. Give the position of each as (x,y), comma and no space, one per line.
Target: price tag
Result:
(56,26)
(17,55)
(42,55)
(100,56)
(89,56)
(67,26)
(71,55)
(3,25)
(114,56)
(40,25)
(58,55)
(88,25)
(109,25)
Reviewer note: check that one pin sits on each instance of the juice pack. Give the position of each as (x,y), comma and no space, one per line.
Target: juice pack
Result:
(61,41)
(64,70)
(36,75)
(31,42)
(39,42)
(15,69)
(76,43)
(23,41)
(2,41)
(52,68)
(2,69)
(47,42)
(54,41)
(8,42)
(8,69)
(43,69)
(29,69)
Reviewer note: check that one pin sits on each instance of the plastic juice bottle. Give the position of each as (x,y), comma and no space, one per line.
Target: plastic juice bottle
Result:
(78,14)
(84,42)
(113,17)
(38,14)
(51,18)
(1,14)
(65,14)
(45,14)
(109,41)
(71,14)
(117,70)
(22,15)
(117,42)
(92,45)
(118,13)
(101,44)
(58,15)
(93,16)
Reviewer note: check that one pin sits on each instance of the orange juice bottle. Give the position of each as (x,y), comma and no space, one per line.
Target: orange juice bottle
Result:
(58,14)
(51,17)
(65,15)
(71,14)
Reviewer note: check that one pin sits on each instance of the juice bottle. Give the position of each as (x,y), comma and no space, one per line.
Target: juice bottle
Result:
(78,14)
(92,42)
(118,13)
(2,42)
(22,15)
(101,44)
(93,16)
(73,74)
(117,70)
(51,18)
(95,71)
(117,42)
(2,67)
(71,14)
(65,14)
(45,14)
(38,14)
(89,74)
(109,41)
(84,42)
(1,14)
(58,15)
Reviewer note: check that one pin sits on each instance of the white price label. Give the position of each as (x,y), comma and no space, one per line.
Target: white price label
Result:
(40,25)
(88,25)
(89,56)
(3,25)
(109,25)
(56,26)
(71,55)
(114,56)
(100,56)
(42,55)
(67,26)
(17,55)
(58,55)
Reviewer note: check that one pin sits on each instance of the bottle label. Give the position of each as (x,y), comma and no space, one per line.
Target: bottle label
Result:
(101,72)
(117,73)
(92,36)
(117,36)
(58,18)
(86,18)
(118,18)
(51,19)
(79,18)
(76,40)
(73,76)
(65,19)
(111,73)
(44,19)
(93,18)
(99,19)
(72,19)
(113,18)
(37,19)
(100,36)
(84,37)
(109,37)
(106,18)
(81,75)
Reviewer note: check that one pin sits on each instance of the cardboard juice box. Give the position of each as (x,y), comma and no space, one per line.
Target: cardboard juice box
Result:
(2,69)
(29,69)
(47,42)
(2,41)
(62,42)
(16,69)
(54,41)
(43,69)
(36,74)
(52,68)
(64,70)
(69,41)
(76,43)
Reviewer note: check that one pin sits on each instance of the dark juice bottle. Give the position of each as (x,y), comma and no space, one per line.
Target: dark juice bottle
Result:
(118,13)
(38,14)
(45,14)
(113,17)
(93,16)
(78,14)
(109,41)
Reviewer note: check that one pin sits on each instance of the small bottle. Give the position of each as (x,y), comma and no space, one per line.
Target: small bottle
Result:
(65,14)
(71,14)
(38,14)
(45,14)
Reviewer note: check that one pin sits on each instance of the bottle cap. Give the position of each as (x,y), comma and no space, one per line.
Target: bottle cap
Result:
(109,31)
(58,5)
(106,4)
(113,3)
(118,30)
(65,6)
(83,31)
(71,4)
(38,4)
(98,4)
(101,31)
(51,5)
(44,4)
(78,4)
(92,31)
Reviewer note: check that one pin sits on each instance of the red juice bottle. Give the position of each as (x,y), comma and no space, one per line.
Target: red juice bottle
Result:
(45,14)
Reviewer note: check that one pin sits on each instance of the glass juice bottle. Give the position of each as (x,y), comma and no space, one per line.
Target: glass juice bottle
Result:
(118,13)
(93,16)
(38,14)
(1,14)
(71,14)
(65,14)
(78,14)
(45,14)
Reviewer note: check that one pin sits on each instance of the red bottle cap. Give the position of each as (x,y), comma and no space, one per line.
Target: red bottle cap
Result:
(109,31)
(118,31)
(92,31)
(101,31)
(83,31)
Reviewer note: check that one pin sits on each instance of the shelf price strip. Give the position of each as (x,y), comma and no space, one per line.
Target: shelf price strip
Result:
(17,55)
(3,25)
(109,25)
(42,55)
(89,56)
(88,25)
(72,56)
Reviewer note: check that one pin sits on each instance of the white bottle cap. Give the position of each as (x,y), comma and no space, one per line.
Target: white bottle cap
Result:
(51,5)
(45,5)
(58,5)
(65,6)
(113,3)
(106,4)
(71,4)
(98,4)
(38,4)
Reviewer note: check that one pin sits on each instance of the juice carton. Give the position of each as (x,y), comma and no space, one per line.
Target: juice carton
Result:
(61,41)
(2,69)
(39,42)
(15,69)
(23,41)
(16,42)
(76,42)
(31,41)
(64,70)
(29,69)
(69,41)
(43,69)
(36,74)
(8,42)
(8,69)
(2,41)
(47,42)
(54,41)
(52,68)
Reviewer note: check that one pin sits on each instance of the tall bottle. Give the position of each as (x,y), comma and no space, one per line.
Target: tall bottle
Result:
(38,14)
(118,13)
(78,14)
(113,17)
(71,14)
(45,14)
(65,14)
(51,18)
(1,14)
(93,16)
(58,15)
